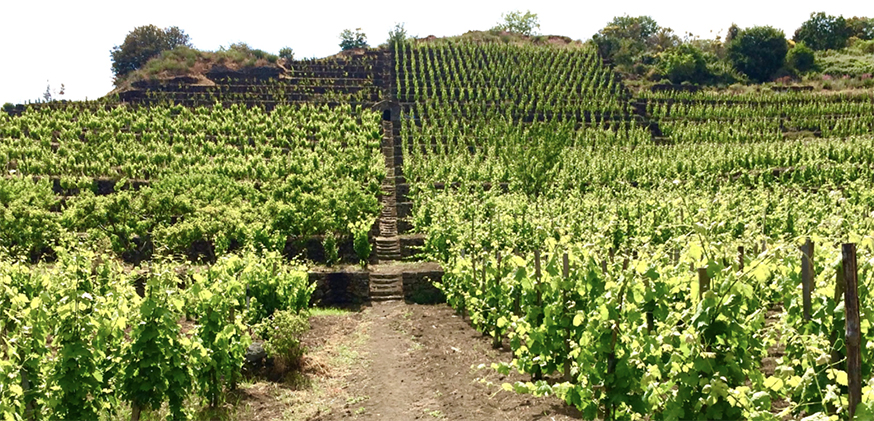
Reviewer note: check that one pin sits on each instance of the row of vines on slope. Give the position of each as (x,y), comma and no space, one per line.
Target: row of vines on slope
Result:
(79,342)
(223,176)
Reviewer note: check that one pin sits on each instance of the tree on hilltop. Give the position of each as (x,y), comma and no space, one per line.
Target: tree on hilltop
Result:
(519,23)
(143,43)
(823,32)
(352,39)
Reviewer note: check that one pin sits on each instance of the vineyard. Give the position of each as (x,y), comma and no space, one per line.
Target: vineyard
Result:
(145,244)
(667,255)
(193,181)
(642,258)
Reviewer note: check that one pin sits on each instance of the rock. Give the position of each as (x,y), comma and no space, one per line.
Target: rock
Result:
(256,353)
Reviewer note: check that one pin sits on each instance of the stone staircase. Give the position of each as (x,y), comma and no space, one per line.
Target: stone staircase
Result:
(386,286)
(388,245)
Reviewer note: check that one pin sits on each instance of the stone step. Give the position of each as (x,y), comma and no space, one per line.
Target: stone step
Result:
(385,283)
(386,289)
(388,298)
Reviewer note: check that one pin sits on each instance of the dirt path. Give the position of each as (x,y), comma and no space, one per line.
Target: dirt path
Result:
(422,364)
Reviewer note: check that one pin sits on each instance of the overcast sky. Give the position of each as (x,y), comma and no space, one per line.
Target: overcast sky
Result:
(69,41)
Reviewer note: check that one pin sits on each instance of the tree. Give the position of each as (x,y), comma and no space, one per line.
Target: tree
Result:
(758,52)
(519,23)
(143,43)
(286,53)
(861,27)
(352,39)
(397,35)
(47,95)
(626,38)
(800,57)
(823,32)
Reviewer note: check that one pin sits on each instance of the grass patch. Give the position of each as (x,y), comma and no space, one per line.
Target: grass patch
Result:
(322,312)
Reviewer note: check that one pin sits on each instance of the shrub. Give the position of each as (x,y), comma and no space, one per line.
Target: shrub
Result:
(143,43)
(361,241)
(397,35)
(9,107)
(286,54)
(684,64)
(282,334)
(352,39)
(758,52)
(332,252)
(800,57)
(253,53)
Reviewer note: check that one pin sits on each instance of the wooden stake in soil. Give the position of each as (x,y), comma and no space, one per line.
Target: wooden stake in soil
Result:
(806,277)
(703,282)
(840,287)
(566,274)
(854,339)
(740,258)
(538,374)
(497,341)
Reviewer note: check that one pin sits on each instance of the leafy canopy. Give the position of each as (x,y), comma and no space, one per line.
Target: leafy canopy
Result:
(397,35)
(519,23)
(352,39)
(143,43)
(823,32)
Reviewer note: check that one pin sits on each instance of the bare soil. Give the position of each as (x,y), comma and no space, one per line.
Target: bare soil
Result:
(422,363)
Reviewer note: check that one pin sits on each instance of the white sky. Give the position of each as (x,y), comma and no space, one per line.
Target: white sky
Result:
(69,41)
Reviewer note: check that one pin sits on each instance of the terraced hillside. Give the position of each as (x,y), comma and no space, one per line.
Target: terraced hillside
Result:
(359,79)
(188,181)
(465,107)
(641,257)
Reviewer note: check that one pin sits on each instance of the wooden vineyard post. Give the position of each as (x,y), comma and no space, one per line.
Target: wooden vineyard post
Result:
(566,274)
(703,282)
(497,341)
(740,258)
(538,374)
(806,277)
(604,266)
(517,298)
(840,287)
(854,339)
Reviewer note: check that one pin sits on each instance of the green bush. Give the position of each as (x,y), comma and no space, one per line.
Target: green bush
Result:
(685,63)
(283,333)
(759,52)
(332,251)
(286,53)
(800,58)
(361,241)
(398,35)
